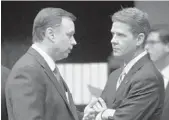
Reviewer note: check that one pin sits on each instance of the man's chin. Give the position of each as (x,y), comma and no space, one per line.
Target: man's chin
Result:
(65,56)
(116,54)
(62,57)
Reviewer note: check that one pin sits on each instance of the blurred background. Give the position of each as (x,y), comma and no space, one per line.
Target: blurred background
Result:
(87,68)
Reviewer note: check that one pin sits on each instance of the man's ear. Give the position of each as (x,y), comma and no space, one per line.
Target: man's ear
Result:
(50,34)
(167,47)
(140,39)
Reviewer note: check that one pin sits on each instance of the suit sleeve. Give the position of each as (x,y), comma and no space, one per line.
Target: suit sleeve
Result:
(141,101)
(26,95)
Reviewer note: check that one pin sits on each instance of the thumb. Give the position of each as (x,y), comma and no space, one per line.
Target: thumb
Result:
(101,101)
(93,102)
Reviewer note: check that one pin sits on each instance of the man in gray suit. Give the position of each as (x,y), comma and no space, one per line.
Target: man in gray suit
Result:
(136,91)
(157,45)
(35,90)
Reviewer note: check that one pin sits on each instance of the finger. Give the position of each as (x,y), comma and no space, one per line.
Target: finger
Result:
(85,117)
(92,102)
(98,105)
(101,101)
(89,111)
(90,117)
(95,108)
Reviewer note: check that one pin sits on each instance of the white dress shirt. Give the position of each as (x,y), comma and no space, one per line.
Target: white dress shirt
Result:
(165,73)
(48,60)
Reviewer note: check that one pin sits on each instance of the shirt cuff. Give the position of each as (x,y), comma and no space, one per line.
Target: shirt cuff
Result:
(106,114)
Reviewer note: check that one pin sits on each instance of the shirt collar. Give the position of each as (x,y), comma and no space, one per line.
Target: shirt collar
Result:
(47,58)
(133,61)
(164,72)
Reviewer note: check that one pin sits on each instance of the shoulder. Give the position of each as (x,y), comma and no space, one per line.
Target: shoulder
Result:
(25,69)
(149,72)
(148,78)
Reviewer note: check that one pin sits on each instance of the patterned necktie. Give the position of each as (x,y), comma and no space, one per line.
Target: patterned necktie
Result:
(120,79)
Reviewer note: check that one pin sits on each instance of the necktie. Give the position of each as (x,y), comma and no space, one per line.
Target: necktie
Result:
(58,77)
(60,80)
(120,79)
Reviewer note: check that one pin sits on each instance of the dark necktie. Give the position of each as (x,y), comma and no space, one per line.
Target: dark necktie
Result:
(59,78)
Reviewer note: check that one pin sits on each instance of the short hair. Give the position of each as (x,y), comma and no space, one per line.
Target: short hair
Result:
(163,30)
(137,19)
(48,17)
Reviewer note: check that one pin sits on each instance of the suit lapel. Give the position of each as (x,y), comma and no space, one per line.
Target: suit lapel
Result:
(131,72)
(49,73)
(114,78)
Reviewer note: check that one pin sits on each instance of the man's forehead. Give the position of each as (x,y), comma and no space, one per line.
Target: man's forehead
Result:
(66,21)
(120,26)
(68,24)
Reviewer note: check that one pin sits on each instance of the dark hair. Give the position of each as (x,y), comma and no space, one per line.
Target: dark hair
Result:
(137,19)
(48,17)
(163,30)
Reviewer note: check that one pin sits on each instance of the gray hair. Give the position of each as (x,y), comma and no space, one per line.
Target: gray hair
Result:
(48,17)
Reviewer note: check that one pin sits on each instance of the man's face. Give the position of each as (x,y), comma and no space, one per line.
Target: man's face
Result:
(155,47)
(123,40)
(64,39)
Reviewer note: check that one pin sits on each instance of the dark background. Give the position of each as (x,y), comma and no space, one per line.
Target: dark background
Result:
(93,26)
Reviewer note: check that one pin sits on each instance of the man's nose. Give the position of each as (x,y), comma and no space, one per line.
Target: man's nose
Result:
(73,41)
(114,41)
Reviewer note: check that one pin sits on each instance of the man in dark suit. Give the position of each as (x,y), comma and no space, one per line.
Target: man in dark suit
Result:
(157,45)
(136,91)
(4,75)
(165,114)
(35,90)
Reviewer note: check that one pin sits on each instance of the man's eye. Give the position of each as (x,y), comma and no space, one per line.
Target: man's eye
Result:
(69,36)
(119,34)
(112,34)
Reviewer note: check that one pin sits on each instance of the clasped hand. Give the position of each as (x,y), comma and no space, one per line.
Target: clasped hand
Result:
(93,108)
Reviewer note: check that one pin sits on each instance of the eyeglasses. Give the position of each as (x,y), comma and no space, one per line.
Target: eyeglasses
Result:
(152,42)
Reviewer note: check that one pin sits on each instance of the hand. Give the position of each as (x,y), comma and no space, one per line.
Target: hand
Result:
(105,115)
(89,116)
(89,112)
(100,105)
(98,117)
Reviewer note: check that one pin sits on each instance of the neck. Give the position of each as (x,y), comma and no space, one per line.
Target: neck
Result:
(162,62)
(138,52)
(131,55)
(44,48)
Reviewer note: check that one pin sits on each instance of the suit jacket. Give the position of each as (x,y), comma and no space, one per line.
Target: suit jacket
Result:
(4,75)
(140,96)
(165,114)
(33,93)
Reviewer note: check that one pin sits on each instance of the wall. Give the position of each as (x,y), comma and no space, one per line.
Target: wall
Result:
(85,80)
(158,11)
